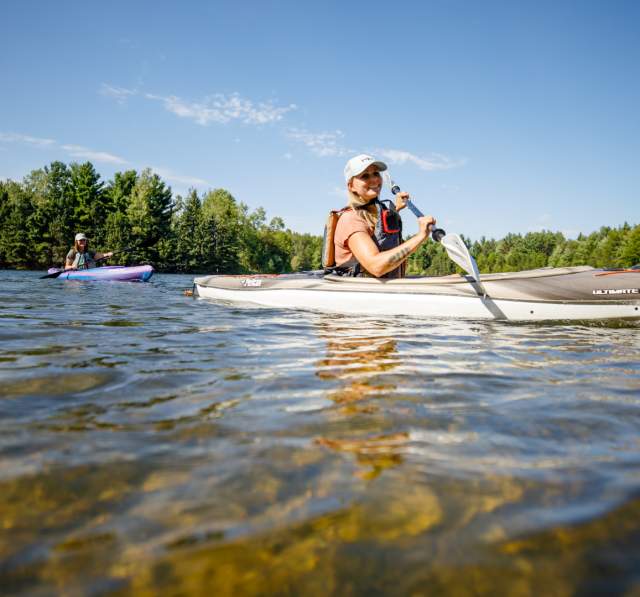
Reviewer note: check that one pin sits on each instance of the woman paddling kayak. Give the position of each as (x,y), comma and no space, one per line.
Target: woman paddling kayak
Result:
(368,235)
(80,257)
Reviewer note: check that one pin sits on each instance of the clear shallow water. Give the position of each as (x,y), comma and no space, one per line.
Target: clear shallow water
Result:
(152,443)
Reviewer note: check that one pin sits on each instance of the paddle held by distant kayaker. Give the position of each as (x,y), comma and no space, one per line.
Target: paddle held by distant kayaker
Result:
(80,257)
(368,235)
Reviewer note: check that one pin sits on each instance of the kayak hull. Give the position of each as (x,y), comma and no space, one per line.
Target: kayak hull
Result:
(581,293)
(115,273)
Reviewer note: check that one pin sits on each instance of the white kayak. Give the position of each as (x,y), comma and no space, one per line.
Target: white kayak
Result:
(570,293)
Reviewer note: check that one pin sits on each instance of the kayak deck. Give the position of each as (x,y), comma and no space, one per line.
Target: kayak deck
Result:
(113,273)
(543,294)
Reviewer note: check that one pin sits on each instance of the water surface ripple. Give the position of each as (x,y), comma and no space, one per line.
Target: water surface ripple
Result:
(152,443)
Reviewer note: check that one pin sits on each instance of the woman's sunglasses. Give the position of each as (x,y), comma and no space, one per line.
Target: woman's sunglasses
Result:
(368,175)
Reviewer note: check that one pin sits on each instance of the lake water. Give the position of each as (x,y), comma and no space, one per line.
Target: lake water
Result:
(152,443)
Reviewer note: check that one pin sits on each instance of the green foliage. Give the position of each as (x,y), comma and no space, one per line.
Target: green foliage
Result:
(191,249)
(51,223)
(629,253)
(223,218)
(87,196)
(118,191)
(274,248)
(214,233)
(16,209)
(117,233)
(149,214)
(430,260)
(307,252)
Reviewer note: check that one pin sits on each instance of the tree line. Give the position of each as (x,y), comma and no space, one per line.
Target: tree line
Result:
(607,247)
(210,233)
(213,232)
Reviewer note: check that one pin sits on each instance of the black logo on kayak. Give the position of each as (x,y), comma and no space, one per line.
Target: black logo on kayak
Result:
(616,291)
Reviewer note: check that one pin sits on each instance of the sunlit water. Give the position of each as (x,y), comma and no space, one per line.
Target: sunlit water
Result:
(152,443)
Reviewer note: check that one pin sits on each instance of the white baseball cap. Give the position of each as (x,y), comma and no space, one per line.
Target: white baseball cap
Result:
(80,236)
(359,164)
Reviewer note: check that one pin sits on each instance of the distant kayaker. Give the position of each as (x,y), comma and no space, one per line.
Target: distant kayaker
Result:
(368,235)
(80,257)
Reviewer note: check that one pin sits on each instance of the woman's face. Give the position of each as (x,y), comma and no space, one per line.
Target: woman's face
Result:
(368,184)
(82,244)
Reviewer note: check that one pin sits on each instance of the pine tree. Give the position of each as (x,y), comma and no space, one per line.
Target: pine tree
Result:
(118,191)
(51,224)
(149,213)
(190,252)
(90,203)
(16,208)
(224,215)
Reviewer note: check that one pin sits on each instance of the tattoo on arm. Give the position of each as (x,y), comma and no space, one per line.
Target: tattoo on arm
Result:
(398,255)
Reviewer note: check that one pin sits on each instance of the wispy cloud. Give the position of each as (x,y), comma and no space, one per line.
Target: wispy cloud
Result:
(218,108)
(75,151)
(221,109)
(81,152)
(224,108)
(322,144)
(179,179)
(78,151)
(26,139)
(331,144)
(431,163)
(120,94)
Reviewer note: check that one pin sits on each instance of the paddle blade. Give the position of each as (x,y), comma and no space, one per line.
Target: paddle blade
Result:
(53,275)
(458,253)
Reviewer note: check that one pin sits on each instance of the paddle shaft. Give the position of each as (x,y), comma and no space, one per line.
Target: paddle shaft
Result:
(437,233)
(456,249)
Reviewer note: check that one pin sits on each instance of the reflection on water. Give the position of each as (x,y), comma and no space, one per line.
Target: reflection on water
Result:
(356,356)
(152,444)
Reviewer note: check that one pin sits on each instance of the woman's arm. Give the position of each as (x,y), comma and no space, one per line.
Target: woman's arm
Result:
(68,262)
(100,255)
(379,263)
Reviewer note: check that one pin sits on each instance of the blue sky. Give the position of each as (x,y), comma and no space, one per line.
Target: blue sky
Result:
(497,117)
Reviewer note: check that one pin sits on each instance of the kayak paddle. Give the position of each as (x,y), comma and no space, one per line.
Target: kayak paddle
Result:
(455,247)
(62,271)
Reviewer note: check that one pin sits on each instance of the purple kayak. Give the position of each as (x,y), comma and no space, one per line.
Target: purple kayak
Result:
(114,273)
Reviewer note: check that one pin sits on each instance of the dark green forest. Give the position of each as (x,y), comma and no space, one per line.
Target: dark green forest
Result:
(606,247)
(215,233)
(210,233)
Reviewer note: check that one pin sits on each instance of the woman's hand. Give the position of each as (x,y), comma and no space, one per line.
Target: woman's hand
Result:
(401,200)
(425,224)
